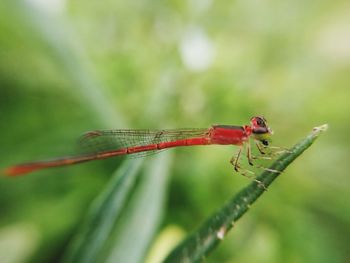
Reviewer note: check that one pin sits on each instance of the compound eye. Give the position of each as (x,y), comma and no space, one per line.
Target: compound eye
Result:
(260,122)
(265,142)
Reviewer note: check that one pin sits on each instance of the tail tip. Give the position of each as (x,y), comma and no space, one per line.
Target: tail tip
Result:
(15,171)
(10,171)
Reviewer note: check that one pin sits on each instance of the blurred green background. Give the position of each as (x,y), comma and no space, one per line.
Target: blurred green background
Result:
(71,66)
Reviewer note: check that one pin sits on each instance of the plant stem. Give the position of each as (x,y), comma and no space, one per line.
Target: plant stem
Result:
(208,236)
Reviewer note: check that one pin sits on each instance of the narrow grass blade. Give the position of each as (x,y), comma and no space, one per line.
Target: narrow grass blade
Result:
(105,210)
(142,216)
(208,236)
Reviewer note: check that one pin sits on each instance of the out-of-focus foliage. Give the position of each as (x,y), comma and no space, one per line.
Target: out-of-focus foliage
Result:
(71,66)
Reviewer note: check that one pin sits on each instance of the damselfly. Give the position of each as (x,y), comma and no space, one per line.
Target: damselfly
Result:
(104,144)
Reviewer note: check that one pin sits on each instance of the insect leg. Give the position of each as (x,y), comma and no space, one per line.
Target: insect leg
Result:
(235,160)
(249,154)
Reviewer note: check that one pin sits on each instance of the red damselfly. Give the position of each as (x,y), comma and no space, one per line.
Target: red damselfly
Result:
(104,144)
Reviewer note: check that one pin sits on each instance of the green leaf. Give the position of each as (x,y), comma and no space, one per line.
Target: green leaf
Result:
(122,221)
(209,235)
(142,216)
(102,215)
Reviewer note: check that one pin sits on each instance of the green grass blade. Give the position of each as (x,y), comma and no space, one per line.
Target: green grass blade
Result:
(104,211)
(208,236)
(142,216)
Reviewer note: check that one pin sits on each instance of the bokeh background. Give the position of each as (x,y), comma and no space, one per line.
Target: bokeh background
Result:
(71,66)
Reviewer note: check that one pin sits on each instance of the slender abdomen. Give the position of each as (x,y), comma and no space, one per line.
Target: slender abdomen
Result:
(25,168)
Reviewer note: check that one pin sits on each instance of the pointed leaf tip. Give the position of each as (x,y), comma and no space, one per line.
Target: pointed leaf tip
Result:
(321,128)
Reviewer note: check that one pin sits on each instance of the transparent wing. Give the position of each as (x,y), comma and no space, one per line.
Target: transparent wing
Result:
(108,140)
